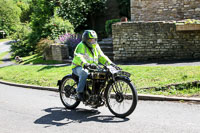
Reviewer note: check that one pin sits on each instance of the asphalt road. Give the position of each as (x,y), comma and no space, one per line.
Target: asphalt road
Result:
(4,46)
(34,111)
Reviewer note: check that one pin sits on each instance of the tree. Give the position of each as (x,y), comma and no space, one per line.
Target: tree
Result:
(79,12)
(26,10)
(9,16)
(124,7)
(56,27)
(43,10)
(45,22)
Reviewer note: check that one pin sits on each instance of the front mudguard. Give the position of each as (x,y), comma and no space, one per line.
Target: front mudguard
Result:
(123,77)
(118,78)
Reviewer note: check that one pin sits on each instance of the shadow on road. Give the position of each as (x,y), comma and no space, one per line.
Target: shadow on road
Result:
(53,66)
(6,59)
(60,116)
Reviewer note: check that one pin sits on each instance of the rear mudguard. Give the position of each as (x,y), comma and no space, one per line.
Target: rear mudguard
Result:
(59,83)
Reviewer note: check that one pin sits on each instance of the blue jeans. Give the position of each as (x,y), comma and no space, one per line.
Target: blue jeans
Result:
(83,74)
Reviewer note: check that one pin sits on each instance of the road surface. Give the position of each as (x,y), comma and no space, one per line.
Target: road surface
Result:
(4,46)
(24,110)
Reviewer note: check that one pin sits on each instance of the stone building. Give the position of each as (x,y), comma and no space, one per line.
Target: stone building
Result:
(159,10)
(153,33)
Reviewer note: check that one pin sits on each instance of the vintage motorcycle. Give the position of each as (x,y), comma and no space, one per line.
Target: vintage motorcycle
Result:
(106,85)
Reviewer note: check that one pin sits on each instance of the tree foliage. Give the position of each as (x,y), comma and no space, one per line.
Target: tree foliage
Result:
(21,46)
(9,16)
(57,26)
(45,23)
(78,12)
(26,10)
(108,26)
(43,10)
(124,7)
(25,1)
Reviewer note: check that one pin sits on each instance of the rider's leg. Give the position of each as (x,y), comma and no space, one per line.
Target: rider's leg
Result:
(83,74)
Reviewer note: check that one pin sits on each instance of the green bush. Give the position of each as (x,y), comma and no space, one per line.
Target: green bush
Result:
(26,11)
(108,26)
(57,26)
(42,11)
(45,22)
(9,16)
(42,45)
(21,46)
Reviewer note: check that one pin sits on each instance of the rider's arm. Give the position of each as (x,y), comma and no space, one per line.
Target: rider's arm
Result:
(79,56)
(102,57)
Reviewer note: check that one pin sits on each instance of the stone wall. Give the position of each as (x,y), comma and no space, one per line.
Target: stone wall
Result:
(159,10)
(140,41)
(56,52)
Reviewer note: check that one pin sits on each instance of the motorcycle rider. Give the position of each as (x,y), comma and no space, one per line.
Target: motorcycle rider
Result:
(87,55)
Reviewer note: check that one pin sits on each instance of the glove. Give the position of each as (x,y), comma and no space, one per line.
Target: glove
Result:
(115,66)
(112,64)
(93,66)
(86,65)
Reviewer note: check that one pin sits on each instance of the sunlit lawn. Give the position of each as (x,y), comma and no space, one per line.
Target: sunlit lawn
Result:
(141,76)
(4,40)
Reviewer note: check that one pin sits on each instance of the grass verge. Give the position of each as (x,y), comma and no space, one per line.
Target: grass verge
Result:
(35,75)
(37,59)
(185,92)
(3,40)
(142,76)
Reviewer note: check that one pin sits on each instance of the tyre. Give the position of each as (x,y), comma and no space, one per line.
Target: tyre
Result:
(121,97)
(67,92)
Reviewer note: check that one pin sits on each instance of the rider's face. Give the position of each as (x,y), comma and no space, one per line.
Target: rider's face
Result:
(92,41)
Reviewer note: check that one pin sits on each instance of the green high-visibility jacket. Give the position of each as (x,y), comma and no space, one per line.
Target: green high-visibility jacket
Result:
(83,55)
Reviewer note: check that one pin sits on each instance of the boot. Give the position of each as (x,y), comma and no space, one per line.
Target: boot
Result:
(79,97)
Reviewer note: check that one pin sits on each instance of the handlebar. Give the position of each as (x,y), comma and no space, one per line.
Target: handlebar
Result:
(104,67)
(117,70)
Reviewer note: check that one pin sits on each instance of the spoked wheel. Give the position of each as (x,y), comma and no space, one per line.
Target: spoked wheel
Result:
(68,91)
(121,97)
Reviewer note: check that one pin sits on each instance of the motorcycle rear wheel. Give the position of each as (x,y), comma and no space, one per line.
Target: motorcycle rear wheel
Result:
(67,92)
(121,97)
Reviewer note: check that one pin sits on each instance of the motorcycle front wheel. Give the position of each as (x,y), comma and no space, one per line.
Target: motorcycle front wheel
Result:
(121,97)
(67,92)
